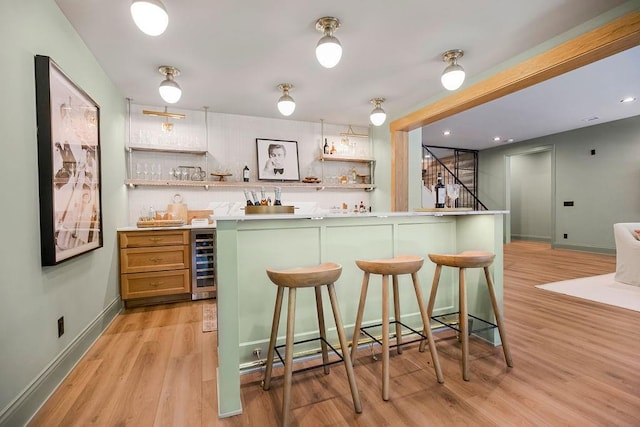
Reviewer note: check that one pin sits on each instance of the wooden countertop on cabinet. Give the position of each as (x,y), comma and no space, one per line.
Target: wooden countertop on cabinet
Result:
(154,266)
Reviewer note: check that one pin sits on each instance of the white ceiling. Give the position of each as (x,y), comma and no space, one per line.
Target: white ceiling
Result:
(233,54)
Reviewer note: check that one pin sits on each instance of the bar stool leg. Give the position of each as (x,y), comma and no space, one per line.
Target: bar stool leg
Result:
(385,337)
(272,341)
(427,329)
(464,325)
(499,320)
(288,359)
(355,395)
(323,329)
(396,313)
(356,328)
(432,299)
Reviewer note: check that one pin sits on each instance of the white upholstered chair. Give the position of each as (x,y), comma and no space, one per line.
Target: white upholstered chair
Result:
(627,253)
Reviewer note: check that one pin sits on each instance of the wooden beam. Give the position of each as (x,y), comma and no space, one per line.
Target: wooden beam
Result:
(611,38)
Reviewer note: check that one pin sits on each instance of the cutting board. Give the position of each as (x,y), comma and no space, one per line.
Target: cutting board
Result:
(179,211)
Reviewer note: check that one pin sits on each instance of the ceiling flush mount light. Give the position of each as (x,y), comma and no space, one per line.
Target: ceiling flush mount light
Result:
(150,16)
(446,132)
(328,49)
(377,116)
(452,76)
(286,104)
(169,90)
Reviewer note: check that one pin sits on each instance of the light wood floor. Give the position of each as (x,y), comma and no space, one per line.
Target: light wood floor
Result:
(576,363)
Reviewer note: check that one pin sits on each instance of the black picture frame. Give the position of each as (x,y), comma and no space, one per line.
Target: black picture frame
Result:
(69,170)
(283,166)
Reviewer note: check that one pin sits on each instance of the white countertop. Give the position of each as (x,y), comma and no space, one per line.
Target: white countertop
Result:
(354,215)
(317,216)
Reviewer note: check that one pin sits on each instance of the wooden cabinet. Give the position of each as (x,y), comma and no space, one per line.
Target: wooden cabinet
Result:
(154,266)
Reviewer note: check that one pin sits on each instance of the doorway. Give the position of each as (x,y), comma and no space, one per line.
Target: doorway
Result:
(529,195)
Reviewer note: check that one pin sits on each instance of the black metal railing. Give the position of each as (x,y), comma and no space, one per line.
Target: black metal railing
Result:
(465,173)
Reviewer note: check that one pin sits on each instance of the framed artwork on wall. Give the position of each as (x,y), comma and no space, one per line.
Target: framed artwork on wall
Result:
(68,165)
(277,160)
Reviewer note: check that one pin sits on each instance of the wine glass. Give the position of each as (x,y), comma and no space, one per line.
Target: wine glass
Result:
(453,191)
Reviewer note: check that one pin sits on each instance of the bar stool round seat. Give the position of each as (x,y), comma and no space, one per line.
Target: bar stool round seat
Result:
(404,264)
(463,260)
(308,277)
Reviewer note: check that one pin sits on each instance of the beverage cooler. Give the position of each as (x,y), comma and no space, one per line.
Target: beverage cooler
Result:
(203,263)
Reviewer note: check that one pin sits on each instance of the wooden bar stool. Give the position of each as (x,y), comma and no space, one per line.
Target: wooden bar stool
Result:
(468,259)
(309,277)
(407,264)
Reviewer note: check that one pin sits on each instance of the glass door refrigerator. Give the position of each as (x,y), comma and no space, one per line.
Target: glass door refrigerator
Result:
(203,263)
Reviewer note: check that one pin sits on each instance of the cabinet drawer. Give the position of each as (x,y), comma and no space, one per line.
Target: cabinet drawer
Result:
(134,239)
(141,285)
(139,260)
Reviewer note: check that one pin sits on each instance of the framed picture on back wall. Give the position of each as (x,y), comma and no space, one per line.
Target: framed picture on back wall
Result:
(277,160)
(68,165)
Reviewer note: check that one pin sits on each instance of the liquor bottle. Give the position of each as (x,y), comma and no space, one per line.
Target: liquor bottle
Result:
(277,201)
(245,173)
(325,148)
(361,208)
(246,196)
(441,193)
(263,199)
(333,148)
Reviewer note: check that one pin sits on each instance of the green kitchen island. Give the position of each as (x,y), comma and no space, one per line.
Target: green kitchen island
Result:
(248,245)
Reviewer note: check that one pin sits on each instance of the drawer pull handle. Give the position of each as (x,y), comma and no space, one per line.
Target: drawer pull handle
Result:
(155,284)
(155,239)
(155,259)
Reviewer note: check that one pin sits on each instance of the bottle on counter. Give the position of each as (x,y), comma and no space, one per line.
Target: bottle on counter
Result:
(254,196)
(362,208)
(246,196)
(333,148)
(441,193)
(263,199)
(245,173)
(325,148)
(278,194)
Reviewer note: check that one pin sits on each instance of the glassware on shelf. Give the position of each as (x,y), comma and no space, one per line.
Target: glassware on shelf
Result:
(172,174)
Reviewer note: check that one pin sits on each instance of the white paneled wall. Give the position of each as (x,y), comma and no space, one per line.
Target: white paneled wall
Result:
(231,143)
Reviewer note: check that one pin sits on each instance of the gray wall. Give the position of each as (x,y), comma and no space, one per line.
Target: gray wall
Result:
(530,191)
(604,187)
(84,290)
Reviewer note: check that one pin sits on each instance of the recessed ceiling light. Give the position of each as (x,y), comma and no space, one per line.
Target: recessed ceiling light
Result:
(446,133)
(427,156)
(496,138)
(510,140)
(628,99)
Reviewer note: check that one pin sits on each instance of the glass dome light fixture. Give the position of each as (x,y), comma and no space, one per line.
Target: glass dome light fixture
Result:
(377,116)
(286,104)
(328,49)
(453,75)
(150,16)
(169,90)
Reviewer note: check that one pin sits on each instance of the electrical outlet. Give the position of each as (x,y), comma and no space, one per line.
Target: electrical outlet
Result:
(60,326)
(566,235)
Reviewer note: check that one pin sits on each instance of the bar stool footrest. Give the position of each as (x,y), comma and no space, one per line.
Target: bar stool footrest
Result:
(484,325)
(320,365)
(393,322)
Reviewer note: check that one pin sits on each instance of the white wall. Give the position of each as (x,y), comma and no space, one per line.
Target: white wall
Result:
(231,145)
(84,290)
